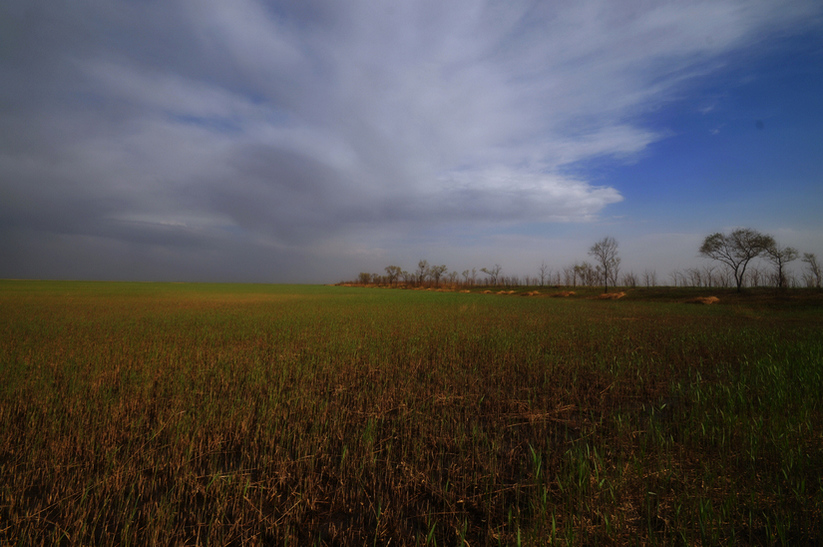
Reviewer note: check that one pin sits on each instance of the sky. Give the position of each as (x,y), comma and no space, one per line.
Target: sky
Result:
(310,140)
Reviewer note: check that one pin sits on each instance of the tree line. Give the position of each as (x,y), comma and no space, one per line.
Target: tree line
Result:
(742,258)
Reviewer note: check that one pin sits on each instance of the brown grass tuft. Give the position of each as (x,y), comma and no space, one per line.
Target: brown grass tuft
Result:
(703,300)
(611,295)
(564,294)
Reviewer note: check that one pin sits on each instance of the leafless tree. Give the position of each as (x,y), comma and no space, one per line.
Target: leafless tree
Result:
(708,275)
(694,277)
(755,276)
(676,276)
(569,276)
(736,250)
(493,273)
(650,278)
(545,272)
(814,274)
(422,272)
(436,272)
(393,273)
(780,256)
(605,252)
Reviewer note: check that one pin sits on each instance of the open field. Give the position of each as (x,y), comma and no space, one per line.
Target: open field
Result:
(172,414)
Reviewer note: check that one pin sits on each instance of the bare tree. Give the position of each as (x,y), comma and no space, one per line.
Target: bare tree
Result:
(422,272)
(708,275)
(605,252)
(724,279)
(814,275)
(676,276)
(736,250)
(650,278)
(780,256)
(545,272)
(569,276)
(493,273)
(630,280)
(694,276)
(436,272)
(586,274)
(392,273)
(755,276)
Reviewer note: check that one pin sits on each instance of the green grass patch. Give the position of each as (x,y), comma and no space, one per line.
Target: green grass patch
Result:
(159,413)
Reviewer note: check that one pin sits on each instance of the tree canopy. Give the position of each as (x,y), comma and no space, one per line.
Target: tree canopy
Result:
(736,250)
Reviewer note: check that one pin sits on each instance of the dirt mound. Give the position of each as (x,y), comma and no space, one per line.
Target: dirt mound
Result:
(611,295)
(703,300)
(564,294)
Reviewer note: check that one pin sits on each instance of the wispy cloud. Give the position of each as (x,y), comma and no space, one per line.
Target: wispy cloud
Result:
(292,121)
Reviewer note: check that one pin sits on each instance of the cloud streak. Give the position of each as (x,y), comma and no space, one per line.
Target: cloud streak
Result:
(286,124)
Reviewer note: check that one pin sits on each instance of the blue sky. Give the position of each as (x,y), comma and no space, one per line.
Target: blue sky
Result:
(308,141)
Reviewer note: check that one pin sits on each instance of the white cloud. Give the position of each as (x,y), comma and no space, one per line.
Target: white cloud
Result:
(300,122)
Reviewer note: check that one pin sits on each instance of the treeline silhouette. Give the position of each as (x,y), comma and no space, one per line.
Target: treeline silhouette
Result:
(743,258)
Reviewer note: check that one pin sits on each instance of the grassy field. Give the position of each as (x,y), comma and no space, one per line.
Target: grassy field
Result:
(183,414)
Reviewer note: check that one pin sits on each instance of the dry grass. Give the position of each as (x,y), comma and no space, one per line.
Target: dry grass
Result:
(611,295)
(703,300)
(179,415)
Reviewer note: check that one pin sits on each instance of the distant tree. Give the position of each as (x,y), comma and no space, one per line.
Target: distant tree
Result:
(493,273)
(545,272)
(393,273)
(677,276)
(708,275)
(780,256)
(630,280)
(814,275)
(586,274)
(436,272)
(569,276)
(605,253)
(650,278)
(736,250)
(580,273)
(364,278)
(422,272)
(755,276)
(695,277)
